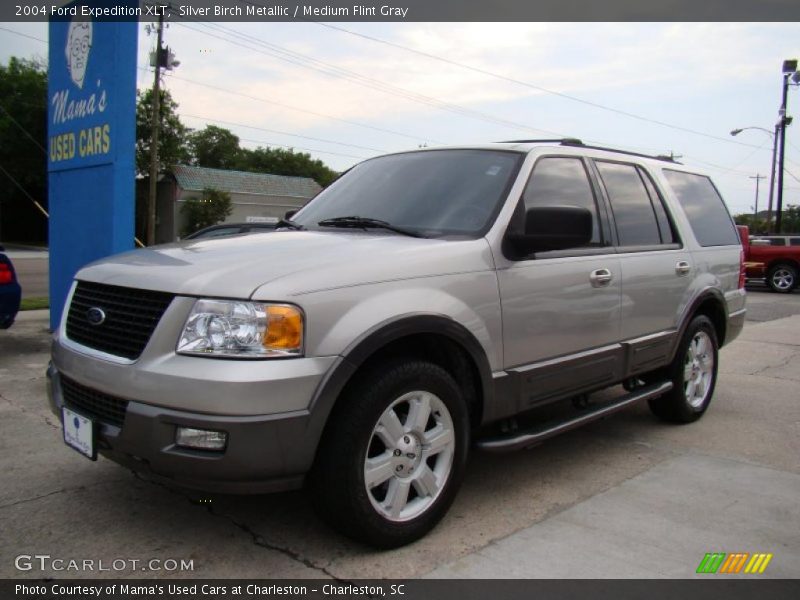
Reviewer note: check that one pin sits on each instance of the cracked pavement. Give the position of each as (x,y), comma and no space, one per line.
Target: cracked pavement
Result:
(518,515)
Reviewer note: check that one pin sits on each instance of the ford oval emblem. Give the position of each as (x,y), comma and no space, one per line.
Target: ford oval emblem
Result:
(95,315)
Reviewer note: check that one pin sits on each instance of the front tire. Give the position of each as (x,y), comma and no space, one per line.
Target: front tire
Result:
(393,454)
(782,278)
(693,373)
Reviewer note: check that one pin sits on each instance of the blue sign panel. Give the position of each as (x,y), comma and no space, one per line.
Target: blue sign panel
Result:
(91,142)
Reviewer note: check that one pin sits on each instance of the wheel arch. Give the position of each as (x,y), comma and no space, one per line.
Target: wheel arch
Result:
(782,261)
(437,338)
(712,304)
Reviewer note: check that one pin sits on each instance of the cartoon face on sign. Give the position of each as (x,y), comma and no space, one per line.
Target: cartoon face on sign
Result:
(79,43)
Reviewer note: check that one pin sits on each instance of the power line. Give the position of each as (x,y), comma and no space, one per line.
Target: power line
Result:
(790,174)
(531,85)
(301,148)
(24,191)
(306,137)
(25,131)
(24,35)
(334,71)
(302,110)
(725,171)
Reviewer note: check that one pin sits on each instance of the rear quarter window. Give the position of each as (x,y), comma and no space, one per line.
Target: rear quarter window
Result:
(709,218)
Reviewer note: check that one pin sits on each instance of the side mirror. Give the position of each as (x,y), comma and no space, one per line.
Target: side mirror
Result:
(290,213)
(553,228)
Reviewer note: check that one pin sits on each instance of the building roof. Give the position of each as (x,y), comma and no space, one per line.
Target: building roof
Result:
(242,182)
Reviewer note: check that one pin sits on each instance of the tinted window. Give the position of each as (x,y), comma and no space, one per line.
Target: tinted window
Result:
(664,224)
(794,241)
(562,182)
(777,241)
(630,203)
(707,214)
(433,192)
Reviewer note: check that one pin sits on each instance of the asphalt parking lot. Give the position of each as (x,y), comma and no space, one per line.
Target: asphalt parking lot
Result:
(624,497)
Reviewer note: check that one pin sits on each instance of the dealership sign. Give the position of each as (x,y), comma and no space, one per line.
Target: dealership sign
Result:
(91,136)
(80,131)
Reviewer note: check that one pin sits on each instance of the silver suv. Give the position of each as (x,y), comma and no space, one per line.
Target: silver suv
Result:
(425,302)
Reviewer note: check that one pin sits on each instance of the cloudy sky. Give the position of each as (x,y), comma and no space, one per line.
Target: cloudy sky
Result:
(361,89)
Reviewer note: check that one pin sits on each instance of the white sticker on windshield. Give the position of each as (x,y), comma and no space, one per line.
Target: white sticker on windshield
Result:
(493,170)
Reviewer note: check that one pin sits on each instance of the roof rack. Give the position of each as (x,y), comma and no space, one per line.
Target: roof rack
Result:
(577,142)
(565,141)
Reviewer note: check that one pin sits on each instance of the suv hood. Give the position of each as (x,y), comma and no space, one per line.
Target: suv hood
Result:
(292,262)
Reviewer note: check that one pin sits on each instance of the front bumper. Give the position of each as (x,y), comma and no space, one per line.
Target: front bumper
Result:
(264,453)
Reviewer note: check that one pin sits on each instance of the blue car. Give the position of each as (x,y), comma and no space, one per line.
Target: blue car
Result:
(10,292)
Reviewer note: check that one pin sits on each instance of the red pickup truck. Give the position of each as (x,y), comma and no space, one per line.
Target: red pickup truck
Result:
(776,259)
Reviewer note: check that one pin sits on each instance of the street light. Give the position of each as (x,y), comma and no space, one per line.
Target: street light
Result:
(774,136)
(789,73)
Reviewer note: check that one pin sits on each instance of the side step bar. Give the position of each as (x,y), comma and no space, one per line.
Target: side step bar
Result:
(531,437)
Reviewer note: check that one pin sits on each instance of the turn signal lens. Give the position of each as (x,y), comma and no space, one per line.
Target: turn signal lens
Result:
(284,328)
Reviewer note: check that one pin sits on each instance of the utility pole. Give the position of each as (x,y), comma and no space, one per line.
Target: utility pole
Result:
(772,175)
(789,70)
(758,177)
(155,123)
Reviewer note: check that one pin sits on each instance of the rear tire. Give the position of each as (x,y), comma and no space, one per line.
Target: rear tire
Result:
(693,373)
(393,454)
(782,278)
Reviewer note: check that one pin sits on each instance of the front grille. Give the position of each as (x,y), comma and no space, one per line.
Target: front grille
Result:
(131,315)
(103,407)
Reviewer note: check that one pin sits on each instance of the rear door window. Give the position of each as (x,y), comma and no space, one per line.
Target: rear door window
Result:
(709,218)
(633,211)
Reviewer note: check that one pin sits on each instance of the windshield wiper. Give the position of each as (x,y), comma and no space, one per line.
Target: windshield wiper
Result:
(290,224)
(366,223)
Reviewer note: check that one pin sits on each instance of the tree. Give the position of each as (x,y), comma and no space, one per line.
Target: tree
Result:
(214,206)
(790,221)
(755,225)
(172,135)
(23,155)
(214,147)
(286,162)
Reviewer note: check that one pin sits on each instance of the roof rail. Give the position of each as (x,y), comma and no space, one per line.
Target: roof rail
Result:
(577,142)
(566,141)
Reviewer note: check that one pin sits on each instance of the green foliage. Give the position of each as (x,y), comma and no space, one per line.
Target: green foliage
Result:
(172,135)
(213,207)
(758,226)
(791,219)
(37,303)
(214,147)
(23,143)
(278,161)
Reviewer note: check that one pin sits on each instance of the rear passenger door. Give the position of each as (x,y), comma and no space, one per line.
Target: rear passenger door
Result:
(656,266)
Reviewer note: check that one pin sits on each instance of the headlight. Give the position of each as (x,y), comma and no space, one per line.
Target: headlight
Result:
(242,330)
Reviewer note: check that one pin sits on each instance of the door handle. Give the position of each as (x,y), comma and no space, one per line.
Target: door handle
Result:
(682,268)
(600,277)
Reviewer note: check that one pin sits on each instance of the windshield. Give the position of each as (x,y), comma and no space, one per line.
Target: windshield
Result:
(433,193)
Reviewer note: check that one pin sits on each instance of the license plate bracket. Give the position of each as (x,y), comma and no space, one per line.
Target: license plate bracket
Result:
(79,433)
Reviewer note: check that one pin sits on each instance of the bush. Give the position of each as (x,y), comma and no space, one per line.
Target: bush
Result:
(213,207)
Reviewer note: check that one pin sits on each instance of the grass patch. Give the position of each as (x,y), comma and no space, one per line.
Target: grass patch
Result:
(34,303)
